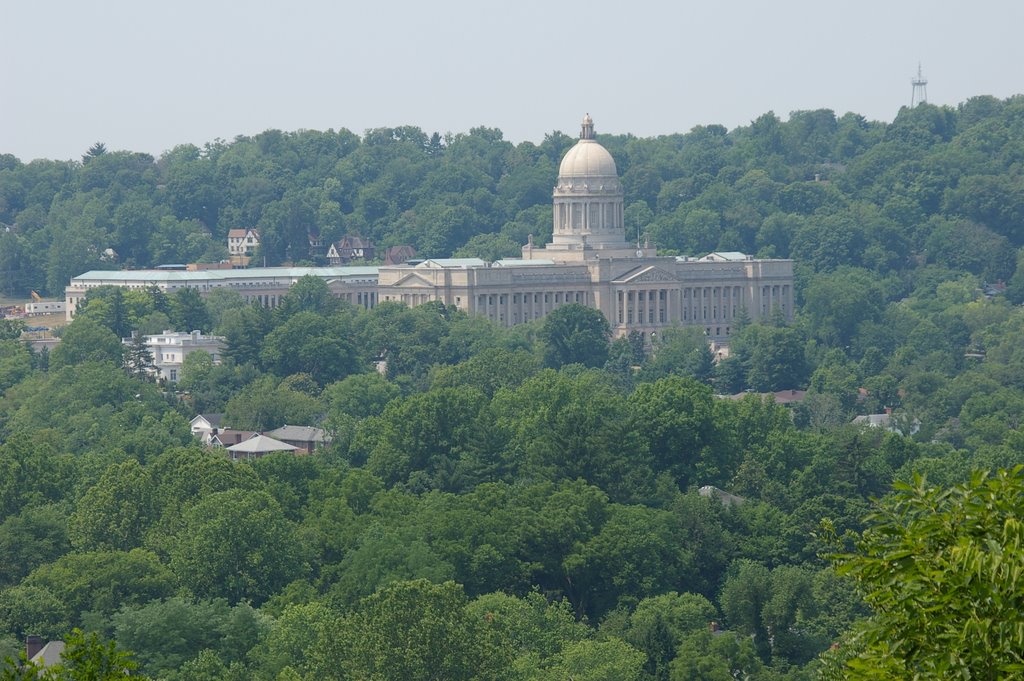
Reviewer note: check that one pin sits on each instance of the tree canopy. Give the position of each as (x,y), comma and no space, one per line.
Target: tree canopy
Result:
(537,502)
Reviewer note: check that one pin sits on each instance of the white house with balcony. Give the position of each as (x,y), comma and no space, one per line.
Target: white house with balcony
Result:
(170,349)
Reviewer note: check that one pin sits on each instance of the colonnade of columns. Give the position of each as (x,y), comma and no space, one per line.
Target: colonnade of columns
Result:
(508,309)
(264,299)
(776,296)
(414,299)
(364,299)
(581,216)
(644,306)
(708,306)
(637,306)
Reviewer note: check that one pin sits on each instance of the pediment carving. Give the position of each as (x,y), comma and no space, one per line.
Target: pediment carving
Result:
(648,275)
(413,281)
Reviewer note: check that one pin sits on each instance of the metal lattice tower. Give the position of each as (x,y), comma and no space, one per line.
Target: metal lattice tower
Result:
(920,92)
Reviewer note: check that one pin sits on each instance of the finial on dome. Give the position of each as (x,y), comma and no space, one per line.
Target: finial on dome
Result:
(588,128)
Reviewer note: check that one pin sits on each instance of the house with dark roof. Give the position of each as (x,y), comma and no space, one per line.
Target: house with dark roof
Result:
(349,248)
(46,654)
(205,426)
(399,255)
(226,437)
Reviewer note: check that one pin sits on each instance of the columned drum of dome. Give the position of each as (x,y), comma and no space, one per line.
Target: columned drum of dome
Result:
(588,198)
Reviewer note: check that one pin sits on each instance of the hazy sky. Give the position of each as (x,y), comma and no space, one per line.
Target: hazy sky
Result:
(146,76)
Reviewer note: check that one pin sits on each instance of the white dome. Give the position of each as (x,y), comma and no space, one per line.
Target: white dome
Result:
(587,160)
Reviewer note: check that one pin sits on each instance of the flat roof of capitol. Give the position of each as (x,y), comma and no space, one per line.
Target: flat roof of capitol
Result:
(207,275)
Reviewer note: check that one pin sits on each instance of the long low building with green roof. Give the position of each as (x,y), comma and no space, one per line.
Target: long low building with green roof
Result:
(263,285)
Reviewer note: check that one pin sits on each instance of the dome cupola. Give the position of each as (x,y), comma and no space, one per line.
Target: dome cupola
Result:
(588,198)
(588,163)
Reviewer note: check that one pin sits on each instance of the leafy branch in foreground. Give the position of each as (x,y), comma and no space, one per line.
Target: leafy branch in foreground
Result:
(943,570)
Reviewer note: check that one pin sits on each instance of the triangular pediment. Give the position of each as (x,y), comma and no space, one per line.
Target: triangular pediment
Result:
(648,274)
(413,281)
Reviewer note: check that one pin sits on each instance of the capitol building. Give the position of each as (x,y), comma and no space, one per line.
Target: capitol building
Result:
(588,261)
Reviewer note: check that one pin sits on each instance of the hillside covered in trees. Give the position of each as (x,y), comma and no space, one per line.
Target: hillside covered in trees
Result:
(522,503)
(936,187)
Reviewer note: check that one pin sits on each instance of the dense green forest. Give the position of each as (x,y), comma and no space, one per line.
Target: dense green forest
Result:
(524,503)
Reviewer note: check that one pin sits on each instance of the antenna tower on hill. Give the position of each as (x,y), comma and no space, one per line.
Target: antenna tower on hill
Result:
(920,92)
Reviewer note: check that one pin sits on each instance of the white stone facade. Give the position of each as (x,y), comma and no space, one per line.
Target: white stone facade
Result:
(170,349)
(590,262)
